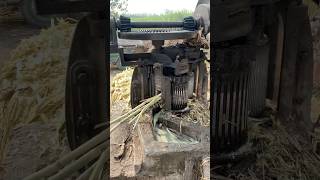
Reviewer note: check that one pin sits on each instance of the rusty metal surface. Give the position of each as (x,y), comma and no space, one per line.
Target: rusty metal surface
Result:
(258,81)
(86,98)
(230,99)
(231,19)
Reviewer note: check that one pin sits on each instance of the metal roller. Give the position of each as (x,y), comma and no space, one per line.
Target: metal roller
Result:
(258,81)
(230,98)
(175,92)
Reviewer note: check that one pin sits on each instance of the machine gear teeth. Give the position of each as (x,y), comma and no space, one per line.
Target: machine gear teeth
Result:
(125,24)
(189,23)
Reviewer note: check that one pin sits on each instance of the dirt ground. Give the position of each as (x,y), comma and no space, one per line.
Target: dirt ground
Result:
(11,33)
(32,147)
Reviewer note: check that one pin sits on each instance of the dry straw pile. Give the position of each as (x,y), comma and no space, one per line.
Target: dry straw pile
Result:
(283,156)
(32,83)
(120,86)
(280,155)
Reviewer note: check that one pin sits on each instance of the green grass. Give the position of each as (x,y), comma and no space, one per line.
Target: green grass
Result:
(167,16)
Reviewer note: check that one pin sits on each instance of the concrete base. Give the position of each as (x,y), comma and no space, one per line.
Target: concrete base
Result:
(165,159)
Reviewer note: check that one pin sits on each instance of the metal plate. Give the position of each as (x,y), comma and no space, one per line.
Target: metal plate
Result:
(136,88)
(142,85)
(231,19)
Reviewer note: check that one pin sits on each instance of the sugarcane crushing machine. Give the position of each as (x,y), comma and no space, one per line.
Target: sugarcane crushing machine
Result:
(172,70)
(259,50)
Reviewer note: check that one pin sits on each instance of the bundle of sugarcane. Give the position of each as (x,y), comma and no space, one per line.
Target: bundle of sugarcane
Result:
(92,155)
(135,114)
(205,167)
(279,155)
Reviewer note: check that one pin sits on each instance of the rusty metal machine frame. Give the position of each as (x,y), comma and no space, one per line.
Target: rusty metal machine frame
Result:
(145,78)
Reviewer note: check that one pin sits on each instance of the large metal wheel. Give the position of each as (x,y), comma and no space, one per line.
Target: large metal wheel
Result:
(86,86)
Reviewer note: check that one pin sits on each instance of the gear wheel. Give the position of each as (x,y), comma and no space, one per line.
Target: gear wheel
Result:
(189,23)
(125,24)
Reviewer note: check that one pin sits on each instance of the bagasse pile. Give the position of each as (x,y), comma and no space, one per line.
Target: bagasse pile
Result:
(280,155)
(199,113)
(120,86)
(33,82)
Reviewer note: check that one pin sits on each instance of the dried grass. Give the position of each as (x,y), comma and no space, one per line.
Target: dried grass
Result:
(33,82)
(281,155)
(199,113)
(120,86)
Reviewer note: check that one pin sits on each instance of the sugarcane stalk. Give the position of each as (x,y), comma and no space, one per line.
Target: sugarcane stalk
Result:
(100,125)
(133,110)
(137,114)
(53,168)
(133,119)
(130,115)
(153,102)
(98,143)
(118,124)
(79,163)
(86,174)
(98,167)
